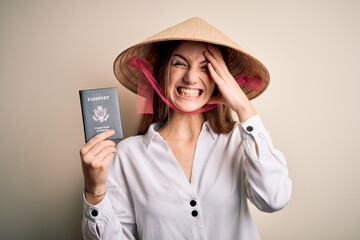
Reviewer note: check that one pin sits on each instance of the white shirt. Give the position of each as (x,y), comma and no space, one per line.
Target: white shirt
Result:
(148,193)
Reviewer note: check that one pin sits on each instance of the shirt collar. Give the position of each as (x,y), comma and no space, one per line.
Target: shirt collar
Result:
(206,127)
(152,132)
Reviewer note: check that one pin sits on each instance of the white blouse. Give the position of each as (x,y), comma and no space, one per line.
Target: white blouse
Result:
(149,197)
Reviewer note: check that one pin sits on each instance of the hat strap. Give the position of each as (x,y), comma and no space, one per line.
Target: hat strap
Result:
(139,64)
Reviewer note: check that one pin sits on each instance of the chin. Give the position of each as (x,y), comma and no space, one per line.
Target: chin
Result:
(189,108)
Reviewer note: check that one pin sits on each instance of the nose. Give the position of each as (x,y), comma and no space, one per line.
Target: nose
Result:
(191,76)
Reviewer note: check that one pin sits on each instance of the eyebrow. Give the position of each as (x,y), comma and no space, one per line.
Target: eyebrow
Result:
(184,58)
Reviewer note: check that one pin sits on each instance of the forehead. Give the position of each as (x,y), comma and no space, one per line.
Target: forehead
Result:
(191,48)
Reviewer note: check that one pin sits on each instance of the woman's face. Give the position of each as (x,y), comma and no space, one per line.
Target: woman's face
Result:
(190,85)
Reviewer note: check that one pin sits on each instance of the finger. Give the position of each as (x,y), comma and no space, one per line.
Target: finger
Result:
(104,163)
(216,59)
(215,52)
(105,152)
(216,67)
(215,56)
(92,153)
(108,159)
(224,82)
(215,76)
(100,146)
(211,58)
(97,138)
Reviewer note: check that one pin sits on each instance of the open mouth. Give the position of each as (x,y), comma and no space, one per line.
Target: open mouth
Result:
(190,93)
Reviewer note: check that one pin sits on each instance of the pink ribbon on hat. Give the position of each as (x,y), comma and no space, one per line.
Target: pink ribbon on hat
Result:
(145,91)
(251,82)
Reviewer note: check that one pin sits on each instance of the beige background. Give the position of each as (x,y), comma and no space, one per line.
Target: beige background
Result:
(51,49)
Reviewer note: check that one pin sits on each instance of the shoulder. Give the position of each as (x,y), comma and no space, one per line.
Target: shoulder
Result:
(130,142)
(127,149)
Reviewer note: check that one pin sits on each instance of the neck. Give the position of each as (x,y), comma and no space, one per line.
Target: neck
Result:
(182,126)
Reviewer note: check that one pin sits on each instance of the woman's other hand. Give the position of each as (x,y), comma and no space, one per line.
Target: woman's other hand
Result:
(230,92)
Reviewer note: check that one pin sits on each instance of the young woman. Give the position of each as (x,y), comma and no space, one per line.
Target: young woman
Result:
(190,170)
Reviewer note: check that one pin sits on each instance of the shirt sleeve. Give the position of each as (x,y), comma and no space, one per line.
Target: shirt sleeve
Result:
(113,217)
(267,182)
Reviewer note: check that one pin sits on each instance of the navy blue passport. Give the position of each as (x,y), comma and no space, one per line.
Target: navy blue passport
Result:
(100,112)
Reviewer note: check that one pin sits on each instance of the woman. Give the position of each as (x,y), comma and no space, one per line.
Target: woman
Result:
(189,172)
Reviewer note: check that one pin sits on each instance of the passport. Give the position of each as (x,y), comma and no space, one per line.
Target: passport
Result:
(100,112)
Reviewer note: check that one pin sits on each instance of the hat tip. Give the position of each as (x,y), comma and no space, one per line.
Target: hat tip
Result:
(196,18)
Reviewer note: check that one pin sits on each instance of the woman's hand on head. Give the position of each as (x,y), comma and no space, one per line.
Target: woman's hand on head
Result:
(230,92)
(96,156)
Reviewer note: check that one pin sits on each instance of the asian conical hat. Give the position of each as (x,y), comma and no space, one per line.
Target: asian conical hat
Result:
(194,29)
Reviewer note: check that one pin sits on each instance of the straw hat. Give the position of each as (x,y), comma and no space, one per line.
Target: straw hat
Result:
(194,29)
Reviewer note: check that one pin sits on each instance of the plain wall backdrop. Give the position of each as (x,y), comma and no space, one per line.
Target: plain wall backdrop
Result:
(49,50)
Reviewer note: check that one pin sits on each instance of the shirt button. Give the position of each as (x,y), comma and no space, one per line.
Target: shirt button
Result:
(194,213)
(249,128)
(193,203)
(94,213)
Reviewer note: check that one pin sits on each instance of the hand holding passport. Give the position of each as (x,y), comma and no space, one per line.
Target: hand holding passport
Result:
(100,112)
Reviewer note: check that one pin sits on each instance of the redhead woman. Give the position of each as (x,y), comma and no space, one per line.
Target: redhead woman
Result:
(201,150)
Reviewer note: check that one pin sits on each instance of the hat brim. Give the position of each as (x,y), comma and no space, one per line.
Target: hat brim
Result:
(239,61)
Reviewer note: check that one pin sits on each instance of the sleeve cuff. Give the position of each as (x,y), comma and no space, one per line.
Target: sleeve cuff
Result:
(253,125)
(102,210)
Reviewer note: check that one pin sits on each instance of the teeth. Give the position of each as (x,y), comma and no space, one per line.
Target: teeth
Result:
(189,92)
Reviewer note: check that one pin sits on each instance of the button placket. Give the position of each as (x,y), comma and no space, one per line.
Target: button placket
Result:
(194,212)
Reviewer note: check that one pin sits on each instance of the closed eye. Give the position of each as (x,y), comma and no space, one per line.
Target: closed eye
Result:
(204,68)
(179,64)
(179,61)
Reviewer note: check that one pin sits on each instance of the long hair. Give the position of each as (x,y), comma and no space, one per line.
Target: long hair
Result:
(220,118)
